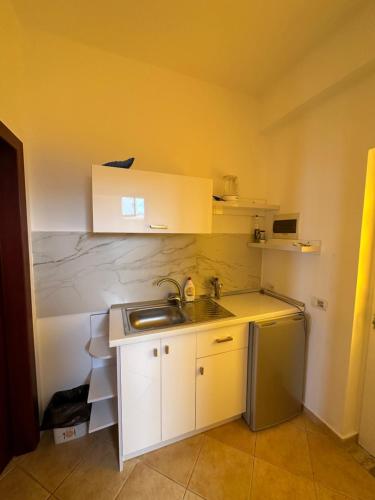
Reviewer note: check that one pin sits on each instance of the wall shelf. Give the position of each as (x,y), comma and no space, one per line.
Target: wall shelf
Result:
(298,246)
(102,383)
(236,207)
(103,414)
(99,348)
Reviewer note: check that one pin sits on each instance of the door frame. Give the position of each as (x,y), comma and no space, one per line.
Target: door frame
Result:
(363,327)
(18,321)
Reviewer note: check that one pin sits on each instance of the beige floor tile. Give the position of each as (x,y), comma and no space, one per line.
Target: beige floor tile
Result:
(17,485)
(11,465)
(236,434)
(145,483)
(222,472)
(177,460)
(313,424)
(189,495)
(50,464)
(326,494)
(299,421)
(97,475)
(272,483)
(285,446)
(334,468)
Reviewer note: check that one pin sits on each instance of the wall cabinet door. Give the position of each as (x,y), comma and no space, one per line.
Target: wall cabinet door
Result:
(137,201)
(178,385)
(221,387)
(140,393)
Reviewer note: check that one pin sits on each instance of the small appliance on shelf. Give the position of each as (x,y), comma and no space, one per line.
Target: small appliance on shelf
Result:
(230,188)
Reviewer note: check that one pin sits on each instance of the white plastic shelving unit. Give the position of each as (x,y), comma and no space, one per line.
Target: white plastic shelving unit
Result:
(103,384)
(103,381)
(100,349)
(103,414)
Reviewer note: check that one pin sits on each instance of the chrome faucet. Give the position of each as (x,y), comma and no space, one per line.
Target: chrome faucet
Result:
(176,298)
(217,285)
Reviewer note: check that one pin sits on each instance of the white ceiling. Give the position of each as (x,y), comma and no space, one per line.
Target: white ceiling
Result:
(242,45)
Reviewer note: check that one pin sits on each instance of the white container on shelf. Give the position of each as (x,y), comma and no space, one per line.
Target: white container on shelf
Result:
(65,434)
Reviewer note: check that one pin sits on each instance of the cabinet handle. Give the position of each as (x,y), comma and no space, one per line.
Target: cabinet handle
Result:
(158,226)
(155,353)
(166,349)
(224,339)
(201,370)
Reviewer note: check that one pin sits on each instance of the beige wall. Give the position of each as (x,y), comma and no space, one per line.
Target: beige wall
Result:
(89,106)
(317,166)
(11,69)
(347,55)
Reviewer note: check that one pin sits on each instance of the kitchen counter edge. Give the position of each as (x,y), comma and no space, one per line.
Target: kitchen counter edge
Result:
(117,337)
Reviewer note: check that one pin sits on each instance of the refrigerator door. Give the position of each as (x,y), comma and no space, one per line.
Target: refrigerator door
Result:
(276,371)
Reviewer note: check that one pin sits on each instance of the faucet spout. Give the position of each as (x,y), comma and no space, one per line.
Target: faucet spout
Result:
(174,297)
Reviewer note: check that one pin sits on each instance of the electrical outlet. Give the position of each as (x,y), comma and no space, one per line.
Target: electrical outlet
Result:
(319,303)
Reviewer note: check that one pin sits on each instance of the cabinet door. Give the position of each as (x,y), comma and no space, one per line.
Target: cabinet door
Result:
(178,385)
(140,393)
(137,201)
(221,387)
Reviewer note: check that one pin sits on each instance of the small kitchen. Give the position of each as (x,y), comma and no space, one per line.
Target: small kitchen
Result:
(210,299)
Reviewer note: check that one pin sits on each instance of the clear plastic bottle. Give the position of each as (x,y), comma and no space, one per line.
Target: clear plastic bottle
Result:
(189,290)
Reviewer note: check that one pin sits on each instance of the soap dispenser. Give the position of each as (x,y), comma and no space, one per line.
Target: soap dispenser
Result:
(189,290)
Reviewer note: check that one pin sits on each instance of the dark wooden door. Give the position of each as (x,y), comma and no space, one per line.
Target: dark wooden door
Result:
(19,431)
(5,417)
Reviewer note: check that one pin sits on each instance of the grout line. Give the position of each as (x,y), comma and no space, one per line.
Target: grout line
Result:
(253,469)
(75,466)
(312,466)
(35,479)
(162,474)
(196,460)
(126,479)
(251,478)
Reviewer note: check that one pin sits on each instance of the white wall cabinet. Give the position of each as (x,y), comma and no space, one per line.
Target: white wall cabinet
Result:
(221,387)
(138,201)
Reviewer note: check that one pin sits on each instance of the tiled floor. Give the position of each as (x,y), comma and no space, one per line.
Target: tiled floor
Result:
(298,460)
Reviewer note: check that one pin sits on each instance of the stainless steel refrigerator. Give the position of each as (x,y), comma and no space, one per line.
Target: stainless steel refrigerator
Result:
(276,371)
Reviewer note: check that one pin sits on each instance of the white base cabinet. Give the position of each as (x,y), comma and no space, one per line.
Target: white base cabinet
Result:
(140,393)
(166,392)
(221,387)
(178,386)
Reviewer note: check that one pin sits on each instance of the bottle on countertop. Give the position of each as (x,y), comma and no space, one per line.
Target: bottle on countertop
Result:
(189,290)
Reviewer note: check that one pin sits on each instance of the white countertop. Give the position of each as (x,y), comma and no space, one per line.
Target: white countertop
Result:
(246,307)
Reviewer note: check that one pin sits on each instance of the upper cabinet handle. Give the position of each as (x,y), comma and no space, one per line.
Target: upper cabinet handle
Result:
(224,339)
(156,353)
(158,226)
(166,349)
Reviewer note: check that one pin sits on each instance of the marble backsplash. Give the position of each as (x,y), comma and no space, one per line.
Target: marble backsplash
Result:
(86,272)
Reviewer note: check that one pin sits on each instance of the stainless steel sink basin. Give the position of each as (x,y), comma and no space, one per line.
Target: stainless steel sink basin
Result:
(139,317)
(156,317)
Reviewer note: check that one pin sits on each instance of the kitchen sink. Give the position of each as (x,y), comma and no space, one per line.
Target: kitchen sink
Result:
(156,317)
(153,315)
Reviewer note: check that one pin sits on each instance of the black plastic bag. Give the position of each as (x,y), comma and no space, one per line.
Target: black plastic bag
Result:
(67,408)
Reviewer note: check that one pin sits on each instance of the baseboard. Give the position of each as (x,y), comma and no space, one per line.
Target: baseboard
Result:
(344,438)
